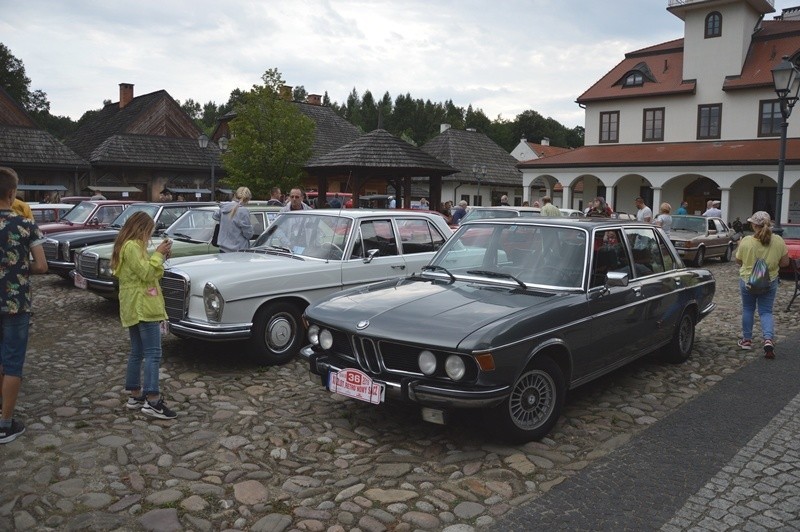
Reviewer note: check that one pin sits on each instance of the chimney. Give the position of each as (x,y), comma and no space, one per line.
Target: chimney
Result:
(523,140)
(444,127)
(125,94)
(286,92)
(545,141)
(314,99)
(472,129)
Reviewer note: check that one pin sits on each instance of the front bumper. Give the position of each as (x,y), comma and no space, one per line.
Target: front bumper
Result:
(211,331)
(417,390)
(60,267)
(97,285)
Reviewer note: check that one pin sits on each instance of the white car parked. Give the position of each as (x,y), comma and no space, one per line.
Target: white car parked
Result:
(259,295)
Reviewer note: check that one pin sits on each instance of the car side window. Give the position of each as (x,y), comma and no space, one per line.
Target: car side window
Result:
(711,226)
(257,221)
(609,256)
(666,255)
(417,236)
(108,213)
(169,215)
(375,234)
(647,259)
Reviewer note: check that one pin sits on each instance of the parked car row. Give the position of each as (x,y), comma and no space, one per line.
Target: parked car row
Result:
(503,316)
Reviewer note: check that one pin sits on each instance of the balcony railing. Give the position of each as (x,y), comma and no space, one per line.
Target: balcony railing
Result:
(673,3)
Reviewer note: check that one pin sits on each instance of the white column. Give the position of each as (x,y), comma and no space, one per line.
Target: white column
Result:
(610,197)
(566,199)
(656,206)
(785,202)
(725,198)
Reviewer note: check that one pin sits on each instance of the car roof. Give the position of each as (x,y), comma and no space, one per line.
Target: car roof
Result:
(256,208)
(45,206)
(583,223)
(506,208)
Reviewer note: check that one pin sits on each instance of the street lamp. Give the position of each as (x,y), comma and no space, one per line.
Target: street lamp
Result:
(479,172)
(787,85)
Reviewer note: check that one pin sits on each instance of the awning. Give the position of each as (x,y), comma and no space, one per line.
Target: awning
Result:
(175,190)
(225,190)
(46,188)
(95,188)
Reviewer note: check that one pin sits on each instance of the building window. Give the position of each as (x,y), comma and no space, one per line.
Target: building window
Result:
(709,120)
(653,124)
(713,24)
(609,127)
(633,79)
(769,118)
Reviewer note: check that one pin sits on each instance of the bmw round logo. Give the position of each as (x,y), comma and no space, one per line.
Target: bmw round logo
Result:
(362,324)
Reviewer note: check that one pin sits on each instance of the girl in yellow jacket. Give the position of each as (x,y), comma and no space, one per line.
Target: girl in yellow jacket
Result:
(141,310)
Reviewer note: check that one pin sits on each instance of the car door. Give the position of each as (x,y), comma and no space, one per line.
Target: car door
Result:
(419,240)
(721,237)
(616,311)
(377,237)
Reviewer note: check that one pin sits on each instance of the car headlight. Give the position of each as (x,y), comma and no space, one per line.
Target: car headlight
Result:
(427,363)
(313,334)
(325,339)
(104,268)
(63,251)
(679,243)
(455,368)
(213,302)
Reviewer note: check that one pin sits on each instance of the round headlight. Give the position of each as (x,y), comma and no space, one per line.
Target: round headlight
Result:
(454,367)
(427,363)
(325,339)
(213,302)
(313,334)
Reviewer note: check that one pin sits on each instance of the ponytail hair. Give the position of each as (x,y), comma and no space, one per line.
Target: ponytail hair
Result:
(242,195)
(762,233)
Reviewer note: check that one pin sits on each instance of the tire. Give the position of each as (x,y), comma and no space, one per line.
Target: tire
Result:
(534,405)
(726,257)
(700,258)
(680,347)
(277,333)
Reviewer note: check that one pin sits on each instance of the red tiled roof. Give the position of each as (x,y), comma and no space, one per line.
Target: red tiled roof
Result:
(665,62)
(774,40)
(740,152)
(546,151)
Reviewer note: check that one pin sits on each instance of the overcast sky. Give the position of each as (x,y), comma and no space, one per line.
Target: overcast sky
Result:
(502,56)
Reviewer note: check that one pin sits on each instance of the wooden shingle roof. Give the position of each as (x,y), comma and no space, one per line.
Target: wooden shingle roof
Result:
(381,151)
(332,131)
(153,151)
(462,149)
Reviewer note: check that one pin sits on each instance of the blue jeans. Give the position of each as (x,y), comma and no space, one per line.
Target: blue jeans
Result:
(13,342)
(764,302)
(144,358)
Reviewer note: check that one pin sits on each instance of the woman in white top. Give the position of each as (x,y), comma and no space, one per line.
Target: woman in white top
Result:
(664,219)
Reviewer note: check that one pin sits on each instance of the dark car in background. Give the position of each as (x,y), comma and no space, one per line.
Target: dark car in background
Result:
(508,316)
(89,214)
(698,238)
(60,249)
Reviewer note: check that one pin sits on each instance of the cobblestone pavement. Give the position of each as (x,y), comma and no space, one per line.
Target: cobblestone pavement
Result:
(267,449)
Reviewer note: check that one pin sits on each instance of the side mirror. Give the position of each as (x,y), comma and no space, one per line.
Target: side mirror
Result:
(371,254)
(616,279)
(94,221)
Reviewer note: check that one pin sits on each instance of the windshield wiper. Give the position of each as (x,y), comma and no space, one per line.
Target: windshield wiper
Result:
(437,268)
(498,275)
(184,237)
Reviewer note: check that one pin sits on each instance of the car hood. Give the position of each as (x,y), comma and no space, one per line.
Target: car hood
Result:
(452,312)
(86,234)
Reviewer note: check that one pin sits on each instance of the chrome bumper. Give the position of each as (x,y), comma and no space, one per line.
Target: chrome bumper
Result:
(414,390)
(210,331)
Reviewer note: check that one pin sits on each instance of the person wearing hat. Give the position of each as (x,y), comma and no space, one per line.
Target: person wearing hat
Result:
(763,244)
(714,210)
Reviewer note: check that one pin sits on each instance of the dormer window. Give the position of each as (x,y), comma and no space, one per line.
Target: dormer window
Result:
(713,25)
(633,79)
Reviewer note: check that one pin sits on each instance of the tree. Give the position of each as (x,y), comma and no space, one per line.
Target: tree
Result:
(18,85)
(271,140)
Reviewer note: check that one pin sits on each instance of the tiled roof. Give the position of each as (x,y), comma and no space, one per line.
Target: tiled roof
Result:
(740,152)
(381,150)
(665,63)
(546,150)
(332,130)
(26,146)
(769,45)
(154,151)
(462,149)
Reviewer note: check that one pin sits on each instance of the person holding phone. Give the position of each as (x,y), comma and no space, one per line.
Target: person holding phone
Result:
(141,310)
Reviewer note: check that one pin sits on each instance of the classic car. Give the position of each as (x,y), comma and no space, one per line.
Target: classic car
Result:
(49,212)
(191,235)
(504,211)
(791,234)
(89,214)
(259,295)
(698,238)
(60,249)
(572,213)
(508,316)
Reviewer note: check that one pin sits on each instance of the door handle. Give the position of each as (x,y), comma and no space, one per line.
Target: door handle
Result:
(399,267)
(637,291)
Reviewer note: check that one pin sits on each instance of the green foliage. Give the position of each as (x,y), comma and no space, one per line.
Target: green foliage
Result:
(271,140)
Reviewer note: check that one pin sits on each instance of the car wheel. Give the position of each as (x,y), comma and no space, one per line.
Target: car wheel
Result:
(726,257)
(277,333)
(534,404)
(700,258)
(679,349)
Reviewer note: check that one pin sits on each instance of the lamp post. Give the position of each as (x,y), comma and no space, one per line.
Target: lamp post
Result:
(479,172)
(787,84)
(202,141)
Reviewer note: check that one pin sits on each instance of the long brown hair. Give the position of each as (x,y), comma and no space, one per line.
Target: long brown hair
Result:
(138,227)
(762,233)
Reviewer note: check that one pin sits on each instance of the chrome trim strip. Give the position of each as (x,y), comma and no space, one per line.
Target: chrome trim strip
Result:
(211,331)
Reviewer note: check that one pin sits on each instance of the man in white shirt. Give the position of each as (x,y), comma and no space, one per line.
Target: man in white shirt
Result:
(644,214)
(714,210)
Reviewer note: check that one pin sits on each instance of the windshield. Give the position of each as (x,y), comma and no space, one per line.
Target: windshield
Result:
(80,213)
(532,254)
(695,224)
(322,237)
(195,224)
(486,214)
(120,220)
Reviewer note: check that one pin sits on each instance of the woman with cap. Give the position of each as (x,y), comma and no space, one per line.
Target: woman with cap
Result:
(763,244)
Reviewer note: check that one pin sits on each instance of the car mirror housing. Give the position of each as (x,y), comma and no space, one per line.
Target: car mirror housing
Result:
(616,279)
(371,254)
